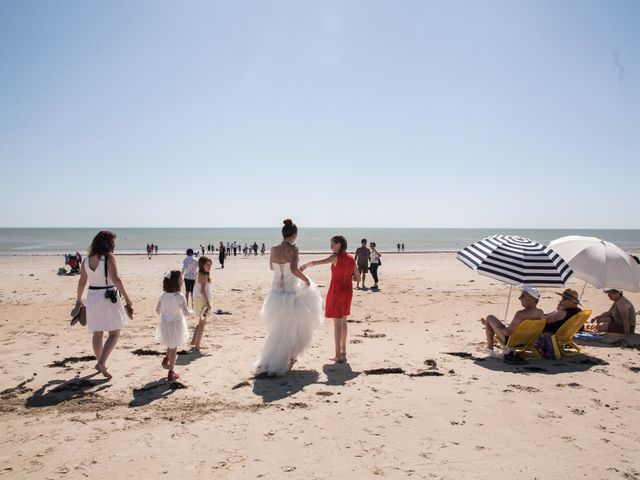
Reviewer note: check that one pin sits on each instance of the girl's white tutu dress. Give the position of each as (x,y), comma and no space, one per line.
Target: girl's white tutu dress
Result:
(173,331)
(292,311)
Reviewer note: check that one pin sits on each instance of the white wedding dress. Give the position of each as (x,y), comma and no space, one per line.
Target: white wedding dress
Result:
(292,311)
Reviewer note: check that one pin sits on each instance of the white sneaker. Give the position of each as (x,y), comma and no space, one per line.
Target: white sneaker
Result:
(492,353)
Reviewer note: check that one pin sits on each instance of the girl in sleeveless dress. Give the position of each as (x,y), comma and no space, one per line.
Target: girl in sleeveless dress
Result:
(201,299)
(292,310)
(172,331)
(338,304)
(104,307)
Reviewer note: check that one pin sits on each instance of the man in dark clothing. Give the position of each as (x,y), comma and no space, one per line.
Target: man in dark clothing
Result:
(362,257)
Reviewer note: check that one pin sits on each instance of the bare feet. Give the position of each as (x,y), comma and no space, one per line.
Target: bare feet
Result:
(103,370)
(292,362)
(342,358)
(335,359)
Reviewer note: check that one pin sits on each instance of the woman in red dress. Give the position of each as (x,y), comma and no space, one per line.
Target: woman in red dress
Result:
(338,303)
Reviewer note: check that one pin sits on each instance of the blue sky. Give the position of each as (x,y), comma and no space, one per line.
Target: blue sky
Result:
(368,113)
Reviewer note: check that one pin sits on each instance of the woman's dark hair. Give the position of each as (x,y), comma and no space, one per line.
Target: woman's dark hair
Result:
(372,244)
(189,251)
(342,241)
(173,283)
(289,228)
(202,261)
(103,243)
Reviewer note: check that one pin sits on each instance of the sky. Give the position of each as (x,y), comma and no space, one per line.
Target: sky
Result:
(521,114)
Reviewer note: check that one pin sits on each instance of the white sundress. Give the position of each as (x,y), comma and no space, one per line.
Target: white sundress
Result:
(102,314)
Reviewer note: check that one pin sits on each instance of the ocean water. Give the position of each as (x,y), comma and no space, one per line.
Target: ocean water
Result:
(32,241)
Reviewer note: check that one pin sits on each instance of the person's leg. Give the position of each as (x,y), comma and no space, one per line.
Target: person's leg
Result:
(109,345)
(493,327)
(374,274)
(337,338)
(199,333)
(172,353)
(364,275)
(343,340)
(96,342)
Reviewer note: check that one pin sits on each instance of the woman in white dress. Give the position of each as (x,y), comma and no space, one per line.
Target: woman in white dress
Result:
(105,310)
(292,310)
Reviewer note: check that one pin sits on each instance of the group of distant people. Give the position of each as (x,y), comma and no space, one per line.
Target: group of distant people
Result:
(400,247)
(151,250)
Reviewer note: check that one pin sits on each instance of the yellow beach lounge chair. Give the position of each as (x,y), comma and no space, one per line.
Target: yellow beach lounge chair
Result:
(524,338)
(562,340)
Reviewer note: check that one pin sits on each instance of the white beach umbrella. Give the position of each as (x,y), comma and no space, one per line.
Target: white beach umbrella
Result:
(599,263)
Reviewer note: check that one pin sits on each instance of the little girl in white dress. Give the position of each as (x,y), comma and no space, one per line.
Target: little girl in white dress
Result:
(172,330)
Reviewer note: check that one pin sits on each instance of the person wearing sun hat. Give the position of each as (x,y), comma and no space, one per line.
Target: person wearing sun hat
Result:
(567,308)
(493,326)
(620,318)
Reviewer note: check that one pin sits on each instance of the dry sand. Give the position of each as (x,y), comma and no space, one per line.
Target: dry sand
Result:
(465,418)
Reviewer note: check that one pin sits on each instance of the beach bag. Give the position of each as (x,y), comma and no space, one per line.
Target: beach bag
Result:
(545,345)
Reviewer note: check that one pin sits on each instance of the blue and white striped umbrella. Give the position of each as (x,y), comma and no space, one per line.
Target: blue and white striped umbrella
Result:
(516,261)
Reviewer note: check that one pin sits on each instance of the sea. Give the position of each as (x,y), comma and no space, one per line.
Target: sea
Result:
(53,241)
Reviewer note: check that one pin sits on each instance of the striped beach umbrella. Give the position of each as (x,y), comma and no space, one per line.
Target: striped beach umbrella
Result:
(516,261)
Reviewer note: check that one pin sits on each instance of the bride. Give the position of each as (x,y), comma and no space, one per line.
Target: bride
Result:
(292,309)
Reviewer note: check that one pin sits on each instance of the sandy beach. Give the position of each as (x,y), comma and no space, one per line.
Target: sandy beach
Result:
(442,409)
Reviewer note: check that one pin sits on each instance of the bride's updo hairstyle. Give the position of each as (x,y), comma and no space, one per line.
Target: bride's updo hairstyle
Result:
(289,228)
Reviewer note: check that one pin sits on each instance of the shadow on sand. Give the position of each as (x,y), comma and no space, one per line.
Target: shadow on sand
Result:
(277,388)
(338,373)
(186,357)
(65,390)
(579,363)
(153,391)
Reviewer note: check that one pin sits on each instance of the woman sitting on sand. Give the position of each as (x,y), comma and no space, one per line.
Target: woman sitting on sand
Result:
(292,310)
(620,318)
(105,311)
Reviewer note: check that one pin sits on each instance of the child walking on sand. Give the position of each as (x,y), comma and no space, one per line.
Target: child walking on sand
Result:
(172,330)
(338,304)
(201,299)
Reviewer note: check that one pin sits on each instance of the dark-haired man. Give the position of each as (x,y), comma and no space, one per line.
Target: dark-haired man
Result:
(362,257)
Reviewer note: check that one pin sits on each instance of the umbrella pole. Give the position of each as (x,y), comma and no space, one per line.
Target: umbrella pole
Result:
(582,292)
(508,301)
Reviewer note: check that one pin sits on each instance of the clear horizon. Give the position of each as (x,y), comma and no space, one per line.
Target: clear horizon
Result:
(422,114)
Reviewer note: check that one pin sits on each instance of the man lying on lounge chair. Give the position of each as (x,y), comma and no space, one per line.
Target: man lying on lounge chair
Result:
(529,301)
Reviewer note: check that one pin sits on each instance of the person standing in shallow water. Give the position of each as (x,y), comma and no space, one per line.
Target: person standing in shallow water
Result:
(340,294)
(105,311)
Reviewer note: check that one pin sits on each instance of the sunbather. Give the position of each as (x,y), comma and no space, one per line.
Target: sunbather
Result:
(620,318)
(567,308)
(529,300)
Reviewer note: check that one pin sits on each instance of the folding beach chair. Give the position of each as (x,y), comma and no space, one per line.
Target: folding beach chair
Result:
(524,338)
(562,340)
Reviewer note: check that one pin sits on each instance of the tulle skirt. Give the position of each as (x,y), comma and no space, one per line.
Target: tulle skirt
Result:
(173,334)
(291,319)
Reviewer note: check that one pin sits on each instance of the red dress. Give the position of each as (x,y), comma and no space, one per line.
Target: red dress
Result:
(341,288)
